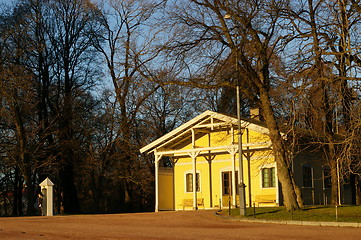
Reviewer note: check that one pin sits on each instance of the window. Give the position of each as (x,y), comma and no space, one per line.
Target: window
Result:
(327,178)
(268,177)
(189,182)
(226,179)
(227,183)
(307,176)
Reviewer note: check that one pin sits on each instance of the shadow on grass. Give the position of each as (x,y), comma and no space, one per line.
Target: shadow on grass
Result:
(343,213)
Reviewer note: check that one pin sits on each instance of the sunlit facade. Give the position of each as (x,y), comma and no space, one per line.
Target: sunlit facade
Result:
(204,155)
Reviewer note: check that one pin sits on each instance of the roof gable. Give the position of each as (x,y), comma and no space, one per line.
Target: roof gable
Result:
(209,120)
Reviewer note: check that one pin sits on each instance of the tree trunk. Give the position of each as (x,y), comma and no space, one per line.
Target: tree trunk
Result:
(290,191)
(358,190)
(17,208)
(30,185)
(334,182)
(70,194)
(25,159)
(353,186)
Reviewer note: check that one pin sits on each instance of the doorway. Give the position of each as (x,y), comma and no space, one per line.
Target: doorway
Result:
(227,187)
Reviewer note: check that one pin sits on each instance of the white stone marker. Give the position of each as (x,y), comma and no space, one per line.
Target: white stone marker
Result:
(48,185)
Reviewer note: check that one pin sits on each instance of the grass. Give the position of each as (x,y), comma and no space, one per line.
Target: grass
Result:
(308,213)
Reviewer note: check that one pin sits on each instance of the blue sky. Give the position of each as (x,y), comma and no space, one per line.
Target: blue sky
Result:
(5,2)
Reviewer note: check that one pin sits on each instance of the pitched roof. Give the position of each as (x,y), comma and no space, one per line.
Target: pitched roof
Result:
(207,119)
(46,182)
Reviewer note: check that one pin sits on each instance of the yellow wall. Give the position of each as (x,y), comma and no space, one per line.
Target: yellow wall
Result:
(166,194)
(223,163)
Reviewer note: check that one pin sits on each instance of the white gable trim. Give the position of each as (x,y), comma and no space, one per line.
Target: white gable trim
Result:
(178,130)
(198,122)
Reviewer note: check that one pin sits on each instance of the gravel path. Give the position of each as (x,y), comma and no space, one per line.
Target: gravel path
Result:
(162,225)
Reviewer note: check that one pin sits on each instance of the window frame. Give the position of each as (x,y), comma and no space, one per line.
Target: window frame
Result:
(229,183)
(307,182)
(326,179)
(271,177)
(189,182)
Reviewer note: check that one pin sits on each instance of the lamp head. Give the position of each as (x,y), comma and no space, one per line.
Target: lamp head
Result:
(227,16)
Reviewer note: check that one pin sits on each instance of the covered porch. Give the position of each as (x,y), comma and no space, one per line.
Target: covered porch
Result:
(207,144)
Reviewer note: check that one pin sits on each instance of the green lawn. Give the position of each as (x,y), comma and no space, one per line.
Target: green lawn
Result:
(308,213)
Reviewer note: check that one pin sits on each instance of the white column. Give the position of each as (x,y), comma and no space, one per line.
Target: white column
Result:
(232,151)
(234,181)
(233,157)
(194,155)
(50,201)
(194,158)
(277,186)
(194,161)
(156,163)
(48,185)
(209,160)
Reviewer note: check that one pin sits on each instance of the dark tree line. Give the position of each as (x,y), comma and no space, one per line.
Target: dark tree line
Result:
(81,92)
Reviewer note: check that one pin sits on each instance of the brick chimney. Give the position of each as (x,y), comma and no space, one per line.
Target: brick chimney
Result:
(256,113)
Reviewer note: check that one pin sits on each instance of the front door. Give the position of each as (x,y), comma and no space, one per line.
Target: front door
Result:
(227,188)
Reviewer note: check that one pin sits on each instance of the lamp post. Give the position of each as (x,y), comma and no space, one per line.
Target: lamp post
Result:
(241,185)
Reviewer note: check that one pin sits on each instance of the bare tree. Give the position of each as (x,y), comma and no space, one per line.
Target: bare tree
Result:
(71,27)
(128,46)
(18,104)
(325,69)
(251,38)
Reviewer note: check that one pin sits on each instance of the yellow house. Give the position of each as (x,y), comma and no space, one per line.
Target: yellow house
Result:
(204,155)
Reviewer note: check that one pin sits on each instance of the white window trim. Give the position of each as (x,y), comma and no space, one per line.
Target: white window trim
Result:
(223,170)
(268,165)
(185,181)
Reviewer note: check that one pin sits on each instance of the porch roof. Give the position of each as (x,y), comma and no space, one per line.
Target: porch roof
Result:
(170,143)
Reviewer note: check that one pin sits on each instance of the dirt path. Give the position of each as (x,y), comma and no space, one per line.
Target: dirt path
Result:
(163,225)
